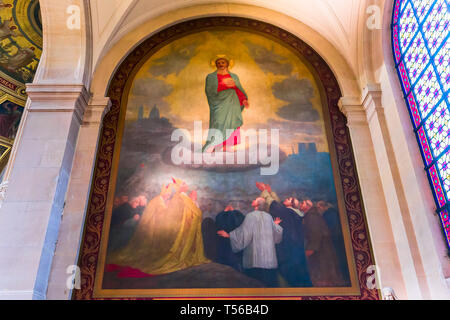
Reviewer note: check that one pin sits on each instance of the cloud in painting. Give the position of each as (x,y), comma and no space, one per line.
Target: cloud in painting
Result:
(293,132)
(268,60)
(175,61)
(310,128)
(290,130)
(298,93)
(150,91)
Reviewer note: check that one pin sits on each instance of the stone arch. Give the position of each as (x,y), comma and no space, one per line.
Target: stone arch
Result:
(66,55)
(370,54)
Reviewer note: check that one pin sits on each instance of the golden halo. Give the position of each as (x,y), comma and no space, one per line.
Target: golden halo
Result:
(222,56)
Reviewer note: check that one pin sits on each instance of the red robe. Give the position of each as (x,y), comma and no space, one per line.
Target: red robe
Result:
(235,138)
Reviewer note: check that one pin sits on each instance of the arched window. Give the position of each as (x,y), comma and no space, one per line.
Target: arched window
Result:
(420,31)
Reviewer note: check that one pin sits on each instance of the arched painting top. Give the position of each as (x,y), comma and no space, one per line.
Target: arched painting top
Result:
(159,211)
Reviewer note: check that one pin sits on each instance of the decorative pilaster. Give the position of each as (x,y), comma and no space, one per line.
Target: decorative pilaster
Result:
(394,192)
(96,110)
(351,108)
(371,101)
(393,200)
(381,231)
(31,212)
(77,197)
(58,97)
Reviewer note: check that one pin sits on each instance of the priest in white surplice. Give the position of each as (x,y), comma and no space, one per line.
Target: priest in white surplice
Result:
(257,236)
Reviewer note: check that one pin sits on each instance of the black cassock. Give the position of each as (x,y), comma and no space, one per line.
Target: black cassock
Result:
(210,240)
(121,214)
(332,219)
(291,250)
(228,221)
(120,231)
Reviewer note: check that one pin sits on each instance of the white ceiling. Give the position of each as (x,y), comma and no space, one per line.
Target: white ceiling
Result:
(339,21)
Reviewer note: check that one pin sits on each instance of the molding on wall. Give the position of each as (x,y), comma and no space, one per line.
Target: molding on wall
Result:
(351,107)
(96,110)
(371,100)
(58,98)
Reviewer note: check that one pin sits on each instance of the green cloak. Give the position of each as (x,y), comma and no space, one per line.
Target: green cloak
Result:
(225,110)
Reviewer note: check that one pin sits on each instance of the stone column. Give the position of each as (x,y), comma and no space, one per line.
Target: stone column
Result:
(405,241)
(71,229)
(31,212)
(380,229)
(407,207)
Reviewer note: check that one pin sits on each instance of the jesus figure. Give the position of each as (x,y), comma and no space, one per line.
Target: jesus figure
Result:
(226,99)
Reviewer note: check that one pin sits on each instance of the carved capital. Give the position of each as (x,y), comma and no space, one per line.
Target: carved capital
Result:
(351,107)
(58,98)
(96,110)
(371,100)
(360,110)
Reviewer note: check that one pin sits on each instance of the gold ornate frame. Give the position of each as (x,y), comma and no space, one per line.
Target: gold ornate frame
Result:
(93,248)
(5,151)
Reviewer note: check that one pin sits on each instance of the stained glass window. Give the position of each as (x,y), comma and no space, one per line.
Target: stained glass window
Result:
(420,32)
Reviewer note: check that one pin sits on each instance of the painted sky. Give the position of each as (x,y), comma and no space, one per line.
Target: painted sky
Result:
(282,91)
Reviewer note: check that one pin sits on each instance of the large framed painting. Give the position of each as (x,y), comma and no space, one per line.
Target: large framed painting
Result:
(225,170)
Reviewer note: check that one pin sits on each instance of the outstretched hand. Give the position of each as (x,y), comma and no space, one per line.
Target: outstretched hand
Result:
(277,220)
(223,234)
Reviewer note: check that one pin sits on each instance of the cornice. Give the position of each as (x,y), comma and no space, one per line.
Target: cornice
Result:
(353,111)
(96,110)
(360,110)
(371,100)
(58,98)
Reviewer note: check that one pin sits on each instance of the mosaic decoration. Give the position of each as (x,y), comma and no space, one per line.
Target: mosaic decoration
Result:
(20,52)
(420,33)
(5,151)
(20,39)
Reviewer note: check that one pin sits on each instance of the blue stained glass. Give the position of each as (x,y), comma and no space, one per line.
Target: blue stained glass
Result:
(427,91)
(444,171)
(441,61)
(422,51)
(408,27)
(435,26)
(402,5)
(422,8)
(437,127)
(417,58)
